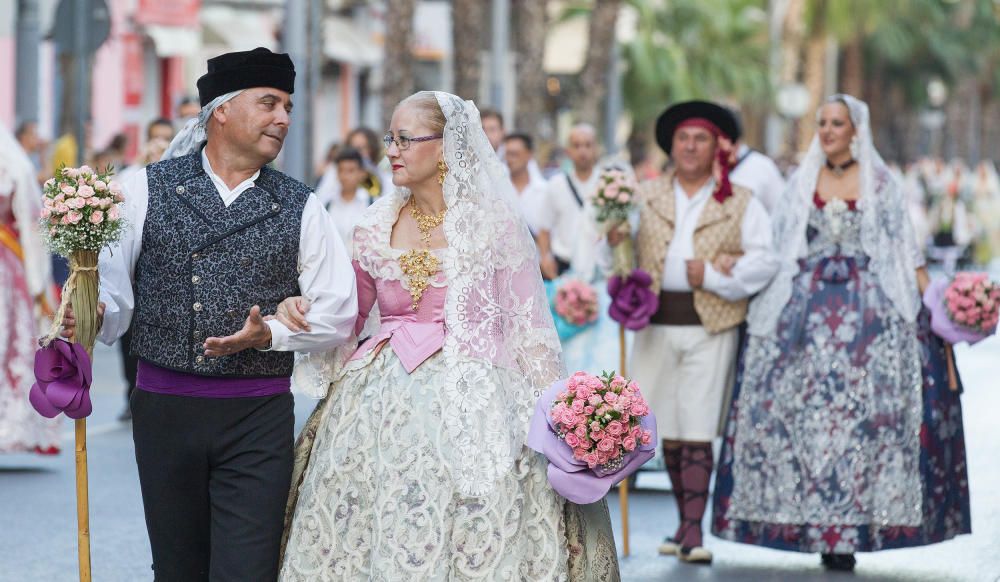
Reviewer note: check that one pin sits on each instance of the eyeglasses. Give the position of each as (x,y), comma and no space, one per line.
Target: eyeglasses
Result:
(403,141)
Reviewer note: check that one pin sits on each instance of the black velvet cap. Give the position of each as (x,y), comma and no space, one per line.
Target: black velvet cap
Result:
(243,70)
(676,114)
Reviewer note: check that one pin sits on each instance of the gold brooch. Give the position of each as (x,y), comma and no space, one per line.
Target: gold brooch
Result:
(419,265)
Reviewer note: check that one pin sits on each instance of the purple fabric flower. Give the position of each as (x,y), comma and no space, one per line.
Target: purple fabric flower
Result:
(632,301)
(62,380)
(941,324)
(570,477)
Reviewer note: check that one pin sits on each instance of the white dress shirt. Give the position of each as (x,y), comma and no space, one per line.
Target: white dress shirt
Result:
(346,214)
(759,174)
(563,213)
(751,272)
(326,277)
(531,202)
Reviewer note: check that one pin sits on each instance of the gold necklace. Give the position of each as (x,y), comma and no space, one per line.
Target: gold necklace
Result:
(419,265)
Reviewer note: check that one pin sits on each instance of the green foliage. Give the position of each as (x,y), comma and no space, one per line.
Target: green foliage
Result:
(688,49)
(924,39)
(718,49)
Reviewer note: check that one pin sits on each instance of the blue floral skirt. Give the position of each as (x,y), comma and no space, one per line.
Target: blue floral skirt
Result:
(803,498)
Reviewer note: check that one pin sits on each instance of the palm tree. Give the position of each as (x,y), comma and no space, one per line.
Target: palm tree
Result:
(686,49)
(397,68)
(596,69)
(848,23)
(529,44)
(468,19)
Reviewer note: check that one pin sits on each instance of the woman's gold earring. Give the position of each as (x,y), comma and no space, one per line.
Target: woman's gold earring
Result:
(442,171)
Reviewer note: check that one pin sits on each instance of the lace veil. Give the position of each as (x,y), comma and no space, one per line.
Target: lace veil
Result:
(886,232)
(501,345)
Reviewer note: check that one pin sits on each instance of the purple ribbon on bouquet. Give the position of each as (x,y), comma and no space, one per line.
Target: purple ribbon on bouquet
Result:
(632,301)
(570,477)
(941,324)
(63,375)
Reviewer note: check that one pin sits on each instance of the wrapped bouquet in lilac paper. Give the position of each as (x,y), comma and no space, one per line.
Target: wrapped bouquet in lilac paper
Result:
(965,309)
(595,431)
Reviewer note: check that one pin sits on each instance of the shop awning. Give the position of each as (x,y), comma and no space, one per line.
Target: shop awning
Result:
(174,41)
(237,30)
(346,42)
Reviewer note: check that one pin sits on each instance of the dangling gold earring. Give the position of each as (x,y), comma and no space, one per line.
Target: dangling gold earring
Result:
(442,171)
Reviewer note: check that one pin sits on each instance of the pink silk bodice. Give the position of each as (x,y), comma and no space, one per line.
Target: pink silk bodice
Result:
(413,335)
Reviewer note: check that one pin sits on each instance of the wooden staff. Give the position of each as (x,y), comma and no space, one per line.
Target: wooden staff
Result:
(623,486)
(84,299)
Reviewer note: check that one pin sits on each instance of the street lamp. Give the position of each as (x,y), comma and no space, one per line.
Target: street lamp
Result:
(932,119)
(937,92)
(792,100)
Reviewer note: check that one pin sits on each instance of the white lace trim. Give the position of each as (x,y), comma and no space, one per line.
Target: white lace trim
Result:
(886,232)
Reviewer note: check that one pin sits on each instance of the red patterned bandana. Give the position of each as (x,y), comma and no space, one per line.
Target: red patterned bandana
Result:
(724,189)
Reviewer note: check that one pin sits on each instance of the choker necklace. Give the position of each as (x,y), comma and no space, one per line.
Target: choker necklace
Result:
(838,170)
(419,265)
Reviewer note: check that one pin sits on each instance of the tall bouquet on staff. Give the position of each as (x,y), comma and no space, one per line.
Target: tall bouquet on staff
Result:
(81,214)
(632,301)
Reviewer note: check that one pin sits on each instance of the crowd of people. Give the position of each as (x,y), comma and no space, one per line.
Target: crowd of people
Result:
(410,284)
(955,209)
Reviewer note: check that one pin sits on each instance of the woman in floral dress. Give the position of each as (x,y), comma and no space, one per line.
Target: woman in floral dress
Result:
(843,434)
(414,466)
(24,279)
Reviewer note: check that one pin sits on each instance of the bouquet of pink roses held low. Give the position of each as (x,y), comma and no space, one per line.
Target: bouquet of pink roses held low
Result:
(576,302)
(574,306)
(595,432)
(965,309)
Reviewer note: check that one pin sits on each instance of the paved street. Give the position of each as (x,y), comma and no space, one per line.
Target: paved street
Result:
(38,539)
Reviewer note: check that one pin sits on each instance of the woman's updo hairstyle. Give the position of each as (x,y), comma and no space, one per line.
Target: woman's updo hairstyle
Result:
(427,104)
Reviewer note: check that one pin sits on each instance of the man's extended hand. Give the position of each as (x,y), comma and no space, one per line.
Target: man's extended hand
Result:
(69,321)
(255,334)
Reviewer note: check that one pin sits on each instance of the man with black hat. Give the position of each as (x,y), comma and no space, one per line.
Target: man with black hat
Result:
(217,238)
(707,245)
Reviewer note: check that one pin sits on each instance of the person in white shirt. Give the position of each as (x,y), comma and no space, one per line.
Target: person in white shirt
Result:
(217,239)
(531,192)
(759,174)
(706,243)
(568,196)
(378,182)
(352,200)
(492,121)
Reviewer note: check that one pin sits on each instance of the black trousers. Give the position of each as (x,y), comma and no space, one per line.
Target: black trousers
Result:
(215,474)
(130,363)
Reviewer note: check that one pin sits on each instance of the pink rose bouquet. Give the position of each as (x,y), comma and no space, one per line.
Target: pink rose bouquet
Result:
(595,431)
(615,193)
(612,204)
(973,302)
(599,417)
(576,302)
(81,210)
(965,309)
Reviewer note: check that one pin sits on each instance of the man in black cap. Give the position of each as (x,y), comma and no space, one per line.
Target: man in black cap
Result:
(217,239)
(707,246)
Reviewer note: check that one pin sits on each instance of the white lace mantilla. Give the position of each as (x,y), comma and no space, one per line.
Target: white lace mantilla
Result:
(496,312)
(886,232)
